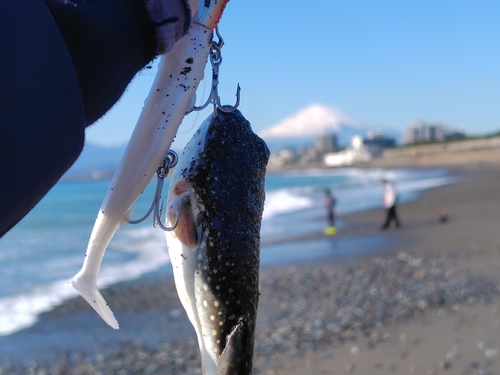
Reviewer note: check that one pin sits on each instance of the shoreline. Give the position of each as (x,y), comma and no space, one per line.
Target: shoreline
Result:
(288,226)
(154,324)
(458,339)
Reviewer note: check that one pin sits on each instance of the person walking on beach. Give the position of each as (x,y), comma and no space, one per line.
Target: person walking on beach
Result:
(390,201)
(330,212)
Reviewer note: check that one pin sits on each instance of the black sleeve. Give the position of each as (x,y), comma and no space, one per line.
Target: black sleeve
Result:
(41,108)
(64,64)
(109,41)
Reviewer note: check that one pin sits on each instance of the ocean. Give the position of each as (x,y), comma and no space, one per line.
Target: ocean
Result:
(41,254)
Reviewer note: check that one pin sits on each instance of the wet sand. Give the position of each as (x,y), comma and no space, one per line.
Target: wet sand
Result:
(426,303)
(457,337)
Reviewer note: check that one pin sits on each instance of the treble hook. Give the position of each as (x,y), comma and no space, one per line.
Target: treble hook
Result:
(170,161)
(215,61)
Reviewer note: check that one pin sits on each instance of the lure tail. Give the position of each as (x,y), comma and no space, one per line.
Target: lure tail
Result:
(86,285)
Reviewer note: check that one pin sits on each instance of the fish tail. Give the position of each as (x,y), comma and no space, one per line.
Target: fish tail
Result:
(236,358)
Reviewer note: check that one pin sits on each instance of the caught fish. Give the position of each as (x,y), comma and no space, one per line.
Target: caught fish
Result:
(169,100)
(216,197)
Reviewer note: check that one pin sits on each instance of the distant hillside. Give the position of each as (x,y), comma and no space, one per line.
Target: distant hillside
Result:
(96,162)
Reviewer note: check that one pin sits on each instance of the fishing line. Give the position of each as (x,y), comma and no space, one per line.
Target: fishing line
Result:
(197,115)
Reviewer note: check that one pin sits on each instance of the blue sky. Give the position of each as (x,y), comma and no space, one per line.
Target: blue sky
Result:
(382,63)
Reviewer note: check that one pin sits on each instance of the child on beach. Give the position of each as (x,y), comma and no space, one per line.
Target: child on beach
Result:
(330,213)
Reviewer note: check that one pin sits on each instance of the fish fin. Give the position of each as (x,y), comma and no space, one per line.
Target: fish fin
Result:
(185,230)
(88,290)
(234,358)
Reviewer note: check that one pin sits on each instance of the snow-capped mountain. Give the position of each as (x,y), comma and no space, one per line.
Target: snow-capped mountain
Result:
(302,127)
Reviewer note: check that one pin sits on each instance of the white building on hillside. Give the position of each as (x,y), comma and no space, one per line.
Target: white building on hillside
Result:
(354,154)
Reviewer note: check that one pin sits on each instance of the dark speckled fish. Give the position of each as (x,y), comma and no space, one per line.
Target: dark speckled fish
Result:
(217,193)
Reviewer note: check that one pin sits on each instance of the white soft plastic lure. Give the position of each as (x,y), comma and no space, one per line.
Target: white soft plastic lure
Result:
(179,73)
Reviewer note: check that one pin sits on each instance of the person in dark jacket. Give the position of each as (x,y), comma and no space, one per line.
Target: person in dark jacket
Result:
(64,64)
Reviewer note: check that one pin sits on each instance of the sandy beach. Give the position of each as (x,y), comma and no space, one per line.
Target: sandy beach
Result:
(426,303)
(455,336)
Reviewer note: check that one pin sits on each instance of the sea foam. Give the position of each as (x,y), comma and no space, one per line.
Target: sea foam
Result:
(40,255)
